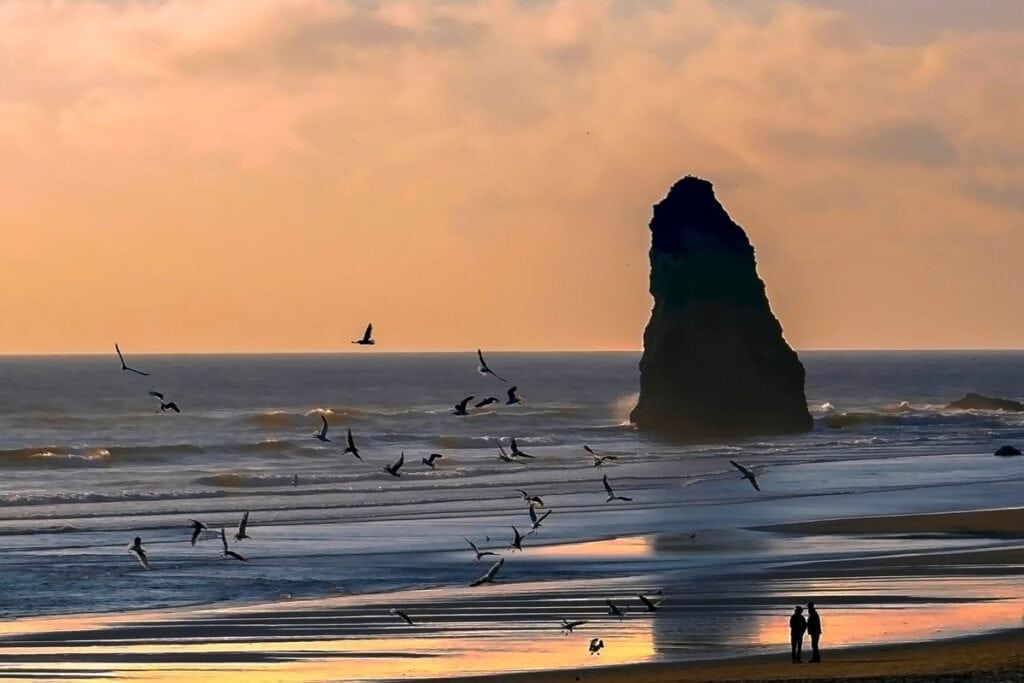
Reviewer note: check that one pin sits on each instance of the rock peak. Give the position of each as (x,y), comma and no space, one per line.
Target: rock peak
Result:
(715,363)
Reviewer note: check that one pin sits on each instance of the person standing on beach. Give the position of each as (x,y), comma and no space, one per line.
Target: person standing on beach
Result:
(797,627)
(814,630)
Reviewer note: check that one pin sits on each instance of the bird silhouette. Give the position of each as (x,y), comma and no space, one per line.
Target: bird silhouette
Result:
(484,369)
(747,474)
(124,366)
(367,339)
(242,526)
(351,447)
(490,575)
(611,493)
(136,549)
(393,468)
(429,460)
(513,396)
(197,529)
(460,407)
(227,552)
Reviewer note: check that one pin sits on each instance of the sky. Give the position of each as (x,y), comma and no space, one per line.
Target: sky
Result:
(248,175)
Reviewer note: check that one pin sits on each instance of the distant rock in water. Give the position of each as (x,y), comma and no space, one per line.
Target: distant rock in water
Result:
(974,401)
(715,364)
(1008,450)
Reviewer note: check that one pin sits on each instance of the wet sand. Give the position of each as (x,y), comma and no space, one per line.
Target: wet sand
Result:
(1001,523)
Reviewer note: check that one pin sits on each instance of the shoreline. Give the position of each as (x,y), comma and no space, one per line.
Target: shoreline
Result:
(996,656)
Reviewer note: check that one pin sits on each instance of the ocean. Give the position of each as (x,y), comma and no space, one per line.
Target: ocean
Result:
(87,462)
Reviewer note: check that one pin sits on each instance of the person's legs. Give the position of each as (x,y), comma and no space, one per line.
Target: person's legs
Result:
(792,647)
(800,649)
(815,655)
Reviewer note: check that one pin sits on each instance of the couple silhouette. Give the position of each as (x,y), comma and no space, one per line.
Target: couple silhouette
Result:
(798,626)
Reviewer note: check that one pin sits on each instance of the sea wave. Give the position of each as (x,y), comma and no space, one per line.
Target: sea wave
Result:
(907,417)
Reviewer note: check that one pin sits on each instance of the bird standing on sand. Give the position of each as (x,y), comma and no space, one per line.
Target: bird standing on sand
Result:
(490,574)
(429,460)
(484,369)
(460,407)
(568,626)
(197,529)
(596,645)
(599,460)
(480,553)
(402,615)
(124,366)
(242,526)
(536,520)
(136,549)
(611,493)
(322,434)
(516,453)
(351,447)
(614,610)
(513,397)
(486,402)
(393,468)
(229,553)
(747,474)
(367,339)
(517,540)
(651,605)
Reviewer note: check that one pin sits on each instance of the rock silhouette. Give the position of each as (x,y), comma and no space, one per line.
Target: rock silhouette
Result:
(1006,451)
(715,364)
(974,401)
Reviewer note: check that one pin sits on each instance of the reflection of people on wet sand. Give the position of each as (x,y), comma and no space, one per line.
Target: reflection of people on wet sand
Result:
(814,630)
(797,626)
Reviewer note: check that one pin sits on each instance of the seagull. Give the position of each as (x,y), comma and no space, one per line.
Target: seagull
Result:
(156,394)
(568,626)
(170,405)
(611,493)
(460,407)
(197,529)
(487,401)
(596,645)
(535,520)
(124,366)
(598,459)
(489,575)
(367,339)
(229,553)
(397,465)
(505,456)
(240,534)
(136,548)
(484,370)
(651,605)
(429,460)
(402,615)
(747,474)
(513,397)
(515,450)
(351,448)
(322,434)
(614,610)
(517,541)
(531,500)
(480,553)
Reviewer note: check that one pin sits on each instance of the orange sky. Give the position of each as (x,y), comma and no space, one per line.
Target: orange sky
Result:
(247,175)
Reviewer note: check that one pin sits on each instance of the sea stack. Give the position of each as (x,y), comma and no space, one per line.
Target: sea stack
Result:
(715,364)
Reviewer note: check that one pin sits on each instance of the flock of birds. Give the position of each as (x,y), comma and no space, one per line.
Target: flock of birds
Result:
(515,454)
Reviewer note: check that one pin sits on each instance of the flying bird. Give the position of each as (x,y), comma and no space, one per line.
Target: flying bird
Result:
(197,529)
(240,534)
(536,520)
(651,605)
(480,554)
(124,366)
(487,401)
(322,434)
(614,610)
(460,407)
(517,540)
(611,493)
(513,397)
(170,405)
(596,645)
(567,626)
(505,456)
(747,474)
(229,553)
(515,450)
(599,460)
(484,369)
(156,394)
(490,574)
(531,500)
(136,549)
(429,460)
(402,615)
(393,468)
(367,339)
(351,448)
